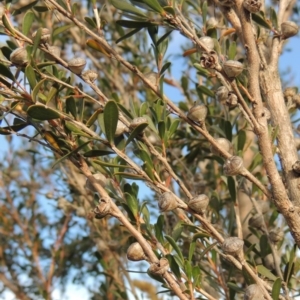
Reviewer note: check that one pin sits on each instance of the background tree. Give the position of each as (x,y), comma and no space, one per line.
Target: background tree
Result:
(200,193)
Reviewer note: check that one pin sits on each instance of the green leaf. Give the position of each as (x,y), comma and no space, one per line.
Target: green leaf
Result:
(273,17)
(204,90)
(174,262)
(139,129)
(241,140)
(112,165)
(5,71)
(192,249)
(228,130)
(91,22)
(24,8)
(37,89)
(132,203)
(27,22)
(265,272)
(257,18)
(75,129)
(276,289)
(111,116)
(207,249)
(36,41)
(232,50)
(40,9)
(188,269)
(30,74)
(170,10)
(93,117)
(134,24)
(289,268)
(161,39)
(158,227)
(165,67)
(71,107)
(13,128)
(175,247)
(127,7)
(154,4)
(161,129)
(61,29)
(96,153)
(127,35)
(231,188)
(42,113)
(7,25)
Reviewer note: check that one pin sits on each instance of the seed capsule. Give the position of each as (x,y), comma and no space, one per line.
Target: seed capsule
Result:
(253,292)
(296,167)
(90,75)
(224,144)
(77,64)
(209,60)
(289,29)
(233,68)
(19,57)
(135,252)
(197,113)
(54,52)
(252,6)
(103,208)
(208,42)
(233,166)
(167,202)
(233,246)
(276,235)
(256,221)
(199,203)
(232,100)
(222,94)
(159,268)
(45,35)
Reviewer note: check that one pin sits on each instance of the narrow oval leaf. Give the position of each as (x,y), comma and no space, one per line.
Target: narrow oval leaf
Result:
(24,8)
(61,29)
(71,107)
(127,7)
(93,117)
(5,71)
(265,272)
(29,72)
(127,35)
(154,4)
(276,289)
(175,247)
(134,24)
(261,21)
(231,187)
(27,22)
(96,153)
(13,128)
(42,113)
(37,89)
(111,116)
(204,90)
(136,132)
(36,41)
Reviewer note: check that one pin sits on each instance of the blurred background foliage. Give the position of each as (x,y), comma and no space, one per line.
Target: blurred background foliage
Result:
(54,115)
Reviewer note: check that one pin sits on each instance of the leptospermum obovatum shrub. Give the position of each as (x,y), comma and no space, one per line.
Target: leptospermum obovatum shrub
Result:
(101,106)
